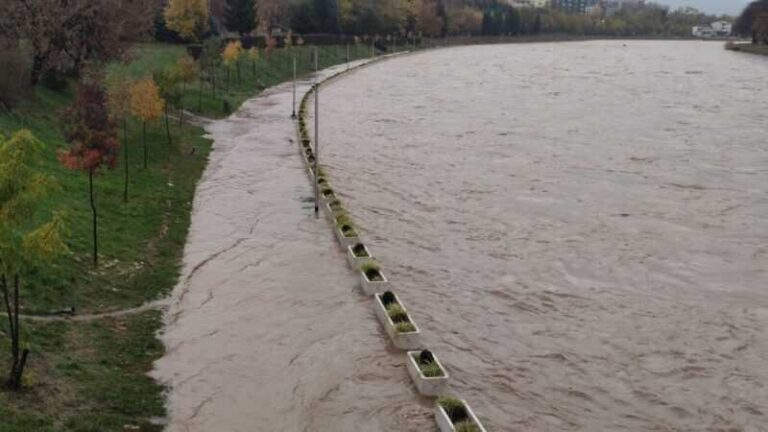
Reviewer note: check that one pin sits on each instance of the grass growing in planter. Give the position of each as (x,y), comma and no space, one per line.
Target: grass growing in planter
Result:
(428,366)
(336,206)
(359,251)
(458,414)
(398,315)
(373,273)
(466,426)
(345,225)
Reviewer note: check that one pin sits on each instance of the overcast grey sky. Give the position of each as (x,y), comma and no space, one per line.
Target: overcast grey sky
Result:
(732,7)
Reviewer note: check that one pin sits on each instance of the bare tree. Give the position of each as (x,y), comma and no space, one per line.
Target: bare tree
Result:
(66,34)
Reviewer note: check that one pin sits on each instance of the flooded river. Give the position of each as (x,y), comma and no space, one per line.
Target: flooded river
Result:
(580,229)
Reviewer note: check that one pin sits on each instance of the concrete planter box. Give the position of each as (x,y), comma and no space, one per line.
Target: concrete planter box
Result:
(370,287)
(403,341)
(345,241)
(327,199)
(330,214)
(428,386)
(354,261)
(445,424)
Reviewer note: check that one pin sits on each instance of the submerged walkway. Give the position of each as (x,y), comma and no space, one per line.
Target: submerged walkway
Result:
(266,330)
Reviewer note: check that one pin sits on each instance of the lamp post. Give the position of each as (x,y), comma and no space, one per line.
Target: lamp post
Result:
(317,150)
(293,116)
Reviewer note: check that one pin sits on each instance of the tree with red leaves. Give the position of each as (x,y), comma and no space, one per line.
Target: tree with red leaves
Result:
(92,137)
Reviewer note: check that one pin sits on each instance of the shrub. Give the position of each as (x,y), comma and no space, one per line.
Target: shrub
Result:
(387,298)
(455,409)
(373,273)
(359,251)
(347,230)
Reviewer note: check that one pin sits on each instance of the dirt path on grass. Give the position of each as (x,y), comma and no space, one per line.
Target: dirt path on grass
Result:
(70,316)
(267,330)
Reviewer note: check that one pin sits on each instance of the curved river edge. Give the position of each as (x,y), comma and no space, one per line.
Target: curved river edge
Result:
(373,282)
(262,332)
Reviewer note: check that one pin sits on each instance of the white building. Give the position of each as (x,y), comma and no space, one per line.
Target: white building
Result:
(716,29)
(722,28)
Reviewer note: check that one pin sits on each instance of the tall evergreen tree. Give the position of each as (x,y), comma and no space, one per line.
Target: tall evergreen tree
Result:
(513,22)
(241,15)
(537,25)
(327,14)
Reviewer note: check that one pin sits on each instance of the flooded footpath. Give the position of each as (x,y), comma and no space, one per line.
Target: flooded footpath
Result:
(266,330)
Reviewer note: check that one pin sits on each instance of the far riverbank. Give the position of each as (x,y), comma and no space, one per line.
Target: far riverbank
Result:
(748,48)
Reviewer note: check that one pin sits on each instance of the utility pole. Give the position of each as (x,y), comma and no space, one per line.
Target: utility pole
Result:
(317,150)
(293,116)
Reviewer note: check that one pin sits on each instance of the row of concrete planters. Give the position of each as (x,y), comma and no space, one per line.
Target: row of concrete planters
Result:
(371,287)
(427,386)
(445,424)
(403,341)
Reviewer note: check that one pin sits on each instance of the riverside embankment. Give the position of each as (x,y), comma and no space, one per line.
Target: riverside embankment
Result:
(579,229)
(265,331)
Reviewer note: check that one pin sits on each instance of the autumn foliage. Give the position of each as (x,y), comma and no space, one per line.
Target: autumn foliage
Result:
(92,137)
(232,52)
(91,131)
(188,18)
(146,103)
(23,245)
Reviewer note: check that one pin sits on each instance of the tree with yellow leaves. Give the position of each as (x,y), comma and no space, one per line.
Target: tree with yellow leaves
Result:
(24,244)
(231,55)
(188,18)
(146,105)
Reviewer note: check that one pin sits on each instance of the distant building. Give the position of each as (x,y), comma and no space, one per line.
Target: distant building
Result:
(529,3)
(574,7)
(611,7)
(713,30)
(722,28)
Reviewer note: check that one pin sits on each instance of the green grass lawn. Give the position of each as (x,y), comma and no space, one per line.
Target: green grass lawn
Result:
(92,376)
(253,76)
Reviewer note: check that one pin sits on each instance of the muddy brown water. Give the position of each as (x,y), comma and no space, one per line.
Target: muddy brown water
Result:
(266,330)
(580,230)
